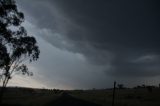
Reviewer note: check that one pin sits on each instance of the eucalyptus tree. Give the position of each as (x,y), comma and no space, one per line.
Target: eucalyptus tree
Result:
(16,46)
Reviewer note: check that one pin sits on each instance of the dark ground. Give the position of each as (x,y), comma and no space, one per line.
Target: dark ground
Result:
(64,100)
(103,97)
(67,100)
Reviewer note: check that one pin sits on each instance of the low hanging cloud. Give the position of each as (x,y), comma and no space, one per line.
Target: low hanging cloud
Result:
(122,36)
(142,66)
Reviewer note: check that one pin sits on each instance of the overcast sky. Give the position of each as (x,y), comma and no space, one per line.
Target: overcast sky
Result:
(90,43)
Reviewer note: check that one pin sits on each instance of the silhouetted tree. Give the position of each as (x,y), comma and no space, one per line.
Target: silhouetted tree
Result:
(120,86)
(143,86)
(15,45)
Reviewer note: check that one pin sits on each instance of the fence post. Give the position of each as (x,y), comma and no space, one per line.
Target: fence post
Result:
(114,89)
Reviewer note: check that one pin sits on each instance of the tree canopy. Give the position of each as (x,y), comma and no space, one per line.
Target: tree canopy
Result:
(15,45)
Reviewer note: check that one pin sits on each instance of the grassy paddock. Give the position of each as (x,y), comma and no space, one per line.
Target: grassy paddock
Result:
(123,97)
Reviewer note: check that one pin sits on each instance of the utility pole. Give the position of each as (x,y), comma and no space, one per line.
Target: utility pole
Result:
(114,89)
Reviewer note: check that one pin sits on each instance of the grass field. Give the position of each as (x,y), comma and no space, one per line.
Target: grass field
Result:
(42,97)
(124,97)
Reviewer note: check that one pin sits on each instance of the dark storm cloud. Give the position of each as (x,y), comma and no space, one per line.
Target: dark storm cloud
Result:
(114,32)
(143,66)
(127,23)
